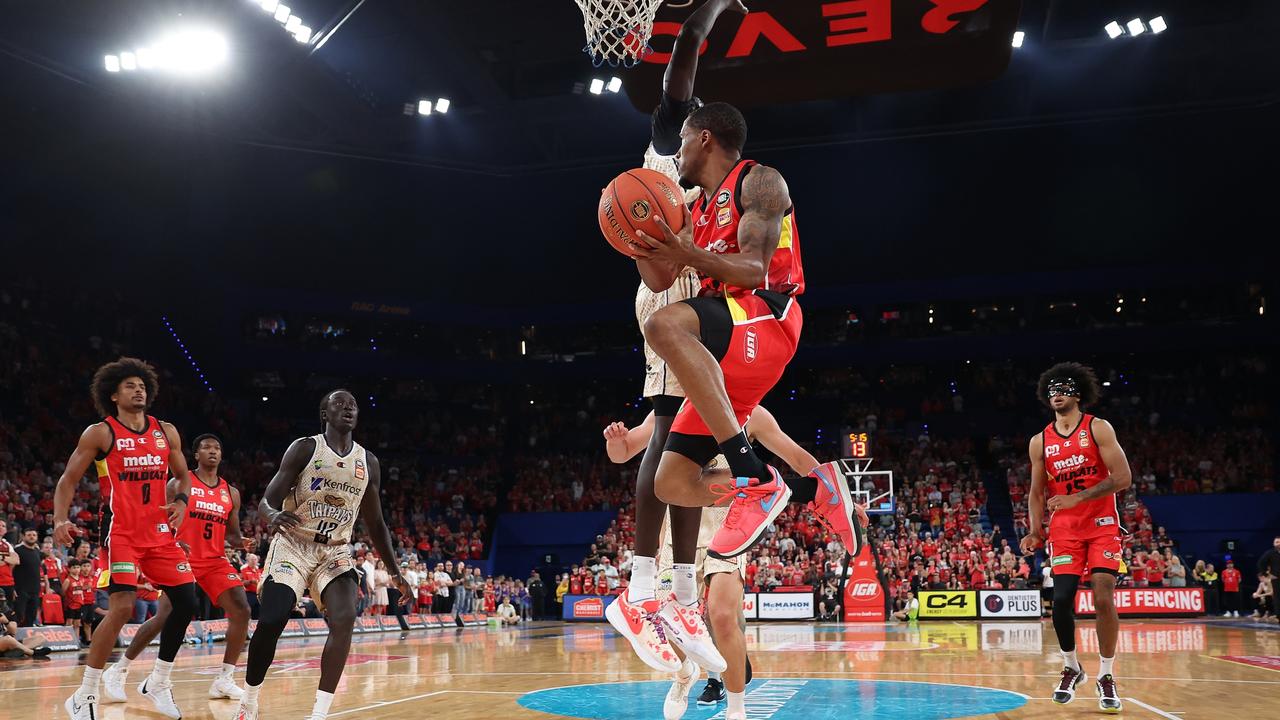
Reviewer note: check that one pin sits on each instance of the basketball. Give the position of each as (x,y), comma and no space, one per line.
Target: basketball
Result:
(631,203)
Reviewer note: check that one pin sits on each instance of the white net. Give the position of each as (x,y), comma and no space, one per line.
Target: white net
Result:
(618,31)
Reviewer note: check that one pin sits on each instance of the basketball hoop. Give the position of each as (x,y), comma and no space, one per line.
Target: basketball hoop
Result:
(618,31)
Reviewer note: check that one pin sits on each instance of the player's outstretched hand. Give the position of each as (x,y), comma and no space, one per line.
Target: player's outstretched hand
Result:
(862,515)
(1030,542)
(738,6)
(283,520)
(177,512)
(406,593)
(615,431)
(615,442)
(62,532)
(248,544)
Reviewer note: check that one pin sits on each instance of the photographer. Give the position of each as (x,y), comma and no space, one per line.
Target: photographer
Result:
(11,648)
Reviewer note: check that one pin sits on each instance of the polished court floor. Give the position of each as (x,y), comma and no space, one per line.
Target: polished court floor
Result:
(1166,669)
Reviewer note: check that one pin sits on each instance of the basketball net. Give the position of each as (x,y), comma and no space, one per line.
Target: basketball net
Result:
(618,31)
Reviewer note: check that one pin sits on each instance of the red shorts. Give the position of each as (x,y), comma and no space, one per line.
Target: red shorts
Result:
(754,337)
(215,577)
(1073,555)
(164,565)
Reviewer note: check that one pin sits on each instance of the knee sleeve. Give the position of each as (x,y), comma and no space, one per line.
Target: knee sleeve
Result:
(1064,610)
(275,606)
(182,600)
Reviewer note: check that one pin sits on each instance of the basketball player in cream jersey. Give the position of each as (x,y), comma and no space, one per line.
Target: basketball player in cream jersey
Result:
(324,483)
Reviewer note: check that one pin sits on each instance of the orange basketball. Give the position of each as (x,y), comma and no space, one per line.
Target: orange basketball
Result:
(632,201)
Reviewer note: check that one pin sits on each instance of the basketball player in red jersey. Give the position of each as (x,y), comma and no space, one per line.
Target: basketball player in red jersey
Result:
(1078,458)
(133,453)
(662,387)
(728,347)
(213,520)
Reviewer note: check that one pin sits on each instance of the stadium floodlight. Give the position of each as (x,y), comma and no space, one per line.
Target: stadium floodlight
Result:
(442,105)
(282,13)
(128,61)
(597,86)
(1114,30)
(292,23)
(191,50)
(269,5)
(1158,25)
(1136,27)
(302,34)
(424,107)
(146,58)
(615,84)
(112,62)
(1018,37)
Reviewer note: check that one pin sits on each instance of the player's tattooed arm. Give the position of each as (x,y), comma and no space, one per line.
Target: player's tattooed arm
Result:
(95,440)
(1035,502)
(291,466)
(683,65)
(379,533)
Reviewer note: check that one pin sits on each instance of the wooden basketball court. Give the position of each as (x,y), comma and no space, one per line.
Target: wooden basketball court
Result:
(1166,669)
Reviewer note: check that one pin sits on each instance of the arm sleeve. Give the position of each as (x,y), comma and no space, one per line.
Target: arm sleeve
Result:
(667,119)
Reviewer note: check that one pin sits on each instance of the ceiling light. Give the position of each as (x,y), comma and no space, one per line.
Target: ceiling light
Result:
(597,86)
(442,105)
(128,61)
(1136,27)
(424,107)
(1018,37)
(1114,30)
(112,63)
(615,84)
(1158,25)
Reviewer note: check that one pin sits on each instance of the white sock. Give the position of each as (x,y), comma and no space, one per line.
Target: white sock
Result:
(228,670)
(1069,659)
(89,685)
(122,663)
(1105,667)
(687,670)
(323,701)
(161,671)
(251,695)
(737,702)
(683,583)
(644,573)
(714,676)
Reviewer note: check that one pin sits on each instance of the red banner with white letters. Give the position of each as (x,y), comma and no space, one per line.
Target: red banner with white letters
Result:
(863,594)
(1148,601)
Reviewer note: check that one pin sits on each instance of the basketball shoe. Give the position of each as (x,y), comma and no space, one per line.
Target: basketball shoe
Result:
(113,680)
(756,504)
(640,625)
(713,693)
(224,687)
(833,506)
(82,707)
(686,629)
(160,695)
(1108,696)
(1065,692)
(677,700)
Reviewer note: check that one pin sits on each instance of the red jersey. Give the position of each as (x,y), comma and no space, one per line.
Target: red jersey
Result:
(250,577)
(575,585)
(1231,580)
(78,590)
(208,512)
(6,570)
(51,569)
(715,220)
(132,475)
(1073,464)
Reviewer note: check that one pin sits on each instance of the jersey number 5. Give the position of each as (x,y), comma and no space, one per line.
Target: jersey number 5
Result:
(323,533)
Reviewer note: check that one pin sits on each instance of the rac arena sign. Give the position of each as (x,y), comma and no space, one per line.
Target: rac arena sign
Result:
(796,50)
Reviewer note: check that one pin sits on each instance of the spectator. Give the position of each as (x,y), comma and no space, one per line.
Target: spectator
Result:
(26,579)
(1211,589)
(8,560)
(828,601)
(443,581)
(11,648)
(1262,597)
(1231,590)
(381,580)
(462,587)
(507,612)
(1269,563)
(910,610)
(562,589)
(538,594)
(1177,572)
(146,602)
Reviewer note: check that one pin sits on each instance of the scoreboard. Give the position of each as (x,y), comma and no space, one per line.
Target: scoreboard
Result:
(856,445)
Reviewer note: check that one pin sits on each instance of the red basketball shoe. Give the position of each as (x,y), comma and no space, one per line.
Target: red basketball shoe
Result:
(755,506)
(833,507)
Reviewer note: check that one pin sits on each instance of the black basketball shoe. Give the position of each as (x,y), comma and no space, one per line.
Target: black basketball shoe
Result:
(1066,690)
(713,693)
(1108,696)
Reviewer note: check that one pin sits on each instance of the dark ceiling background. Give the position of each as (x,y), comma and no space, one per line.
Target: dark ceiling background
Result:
(299,169)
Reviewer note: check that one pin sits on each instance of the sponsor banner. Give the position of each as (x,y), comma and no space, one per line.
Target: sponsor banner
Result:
(1009,604)
(750,606)
(369,624)
(586,607)
(293,628)
(1018,637)
(1270,662)
(432,621)
(217,628)
(1144,602)
(415,620)
(863,594)
(948,604)
(785,606)
(315,627)
(57,637)
(389,622)
(469,619)
(130,630)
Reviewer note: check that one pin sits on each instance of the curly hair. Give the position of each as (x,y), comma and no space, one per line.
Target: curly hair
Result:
(1083,376)
(106,382)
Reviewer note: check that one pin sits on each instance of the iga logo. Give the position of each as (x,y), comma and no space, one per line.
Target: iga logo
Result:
(751,345)
(864,589)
